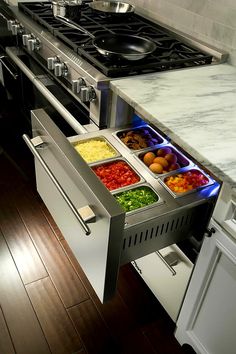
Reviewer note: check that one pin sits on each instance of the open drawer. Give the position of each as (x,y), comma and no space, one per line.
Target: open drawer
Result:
(100,233)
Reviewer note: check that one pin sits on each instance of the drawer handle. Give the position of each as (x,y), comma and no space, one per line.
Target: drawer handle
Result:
(14,53)
(14,75)
(171,269)
(34,151)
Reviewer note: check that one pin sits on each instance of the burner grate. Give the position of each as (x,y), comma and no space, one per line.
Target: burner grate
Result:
(170,53)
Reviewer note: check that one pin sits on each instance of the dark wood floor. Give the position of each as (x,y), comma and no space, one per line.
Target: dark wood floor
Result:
(46,303)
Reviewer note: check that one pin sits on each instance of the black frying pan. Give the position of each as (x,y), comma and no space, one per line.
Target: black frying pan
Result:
(125,47)
(116,45)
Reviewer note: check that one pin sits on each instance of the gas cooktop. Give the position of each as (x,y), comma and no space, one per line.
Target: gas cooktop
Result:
(171,53)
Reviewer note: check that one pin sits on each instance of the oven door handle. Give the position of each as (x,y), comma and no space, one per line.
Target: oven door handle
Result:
(2,61)
(78,128)
(36,154)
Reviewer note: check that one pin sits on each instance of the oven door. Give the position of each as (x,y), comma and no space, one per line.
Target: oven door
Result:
(88,215)
(9,77)
(36,88)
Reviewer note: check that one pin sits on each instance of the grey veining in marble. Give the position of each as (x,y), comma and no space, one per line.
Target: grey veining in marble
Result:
(195,107)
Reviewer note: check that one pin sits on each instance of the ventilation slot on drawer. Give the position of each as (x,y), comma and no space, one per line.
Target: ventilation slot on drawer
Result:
(156,234)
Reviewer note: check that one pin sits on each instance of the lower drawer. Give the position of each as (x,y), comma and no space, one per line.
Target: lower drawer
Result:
(167,274)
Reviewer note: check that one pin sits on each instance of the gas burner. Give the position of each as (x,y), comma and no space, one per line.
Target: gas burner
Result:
(170,53)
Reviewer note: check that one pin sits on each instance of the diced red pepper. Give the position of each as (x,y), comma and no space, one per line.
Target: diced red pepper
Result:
(183,182)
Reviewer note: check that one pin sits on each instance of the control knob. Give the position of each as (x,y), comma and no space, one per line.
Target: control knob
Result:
(60,69)
(33,44)
(87,94)
(76,85)
(9,24)
(15,27)
(25,38)
(51,61)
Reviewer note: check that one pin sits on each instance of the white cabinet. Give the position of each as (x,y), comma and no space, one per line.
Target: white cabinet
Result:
(207,319)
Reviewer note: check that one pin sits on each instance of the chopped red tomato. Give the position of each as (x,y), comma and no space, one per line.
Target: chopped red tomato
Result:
(116,174)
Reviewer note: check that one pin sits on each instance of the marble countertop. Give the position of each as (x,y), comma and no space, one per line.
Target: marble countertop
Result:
(195,107)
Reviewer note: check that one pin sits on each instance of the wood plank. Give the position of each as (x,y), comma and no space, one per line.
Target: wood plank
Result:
(136,342)
(138,297)
(20,317)
(15,166)
(159,334)
(92,329)
(81,351)
(51,221)
(6,345)
(56,324)
(22,249)
(114,312)
(117,316)
(58,265)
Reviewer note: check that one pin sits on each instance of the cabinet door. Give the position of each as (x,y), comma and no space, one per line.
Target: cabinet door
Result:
(208,317)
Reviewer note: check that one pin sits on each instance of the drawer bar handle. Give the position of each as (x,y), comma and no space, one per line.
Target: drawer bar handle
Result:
(14,75)
(171,269)
(34,151)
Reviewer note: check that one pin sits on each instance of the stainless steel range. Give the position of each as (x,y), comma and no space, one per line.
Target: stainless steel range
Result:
(74,62)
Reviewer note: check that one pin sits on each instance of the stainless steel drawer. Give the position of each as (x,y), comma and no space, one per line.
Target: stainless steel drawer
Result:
(110,237)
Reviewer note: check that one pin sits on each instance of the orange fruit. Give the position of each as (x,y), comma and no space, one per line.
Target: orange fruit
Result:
(161,160)
(148,158)
(156,167)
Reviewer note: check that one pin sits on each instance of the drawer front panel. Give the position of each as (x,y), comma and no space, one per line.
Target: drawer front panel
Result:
(98,253)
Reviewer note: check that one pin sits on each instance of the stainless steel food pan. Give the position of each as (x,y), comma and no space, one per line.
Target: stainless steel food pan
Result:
(132,187)
(102,139)
(182,160)
(106,162)
(194,169)
(152,136)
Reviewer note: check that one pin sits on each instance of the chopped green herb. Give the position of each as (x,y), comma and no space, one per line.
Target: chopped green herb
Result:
(136,198)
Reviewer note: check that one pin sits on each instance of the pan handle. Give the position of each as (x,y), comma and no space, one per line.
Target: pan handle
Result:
(73,25)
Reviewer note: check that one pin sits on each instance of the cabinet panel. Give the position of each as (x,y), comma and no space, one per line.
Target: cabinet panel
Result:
(216,319)
(208,317)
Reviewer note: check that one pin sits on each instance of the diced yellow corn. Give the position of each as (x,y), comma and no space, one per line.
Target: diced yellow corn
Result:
(94,150)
